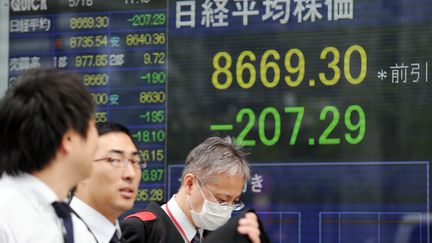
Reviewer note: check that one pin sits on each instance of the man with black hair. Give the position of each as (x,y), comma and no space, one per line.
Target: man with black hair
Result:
(47,142)
(111,188)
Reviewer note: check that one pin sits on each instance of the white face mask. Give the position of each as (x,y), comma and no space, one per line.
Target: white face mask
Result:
(212,215)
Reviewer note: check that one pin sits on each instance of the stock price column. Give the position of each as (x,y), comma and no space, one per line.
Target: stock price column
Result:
(120,50)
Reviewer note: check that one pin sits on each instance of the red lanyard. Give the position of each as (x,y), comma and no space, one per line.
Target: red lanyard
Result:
(176,223)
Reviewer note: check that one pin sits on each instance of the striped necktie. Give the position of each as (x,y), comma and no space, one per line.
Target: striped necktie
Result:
(197,238)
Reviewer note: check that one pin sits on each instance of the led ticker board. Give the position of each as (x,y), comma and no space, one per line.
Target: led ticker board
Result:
(330,97)
(332,100)
(121,51)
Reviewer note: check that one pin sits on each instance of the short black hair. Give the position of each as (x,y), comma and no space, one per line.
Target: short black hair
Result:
(35,114)
(109,127)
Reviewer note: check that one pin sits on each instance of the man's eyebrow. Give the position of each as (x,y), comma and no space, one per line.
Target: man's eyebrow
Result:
(224,196)
(116,151)
(121,152)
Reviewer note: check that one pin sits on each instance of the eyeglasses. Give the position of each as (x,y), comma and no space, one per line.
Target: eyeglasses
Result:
(119,161)
(237,205)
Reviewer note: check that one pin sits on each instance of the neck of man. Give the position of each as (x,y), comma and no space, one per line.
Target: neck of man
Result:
(182,200)
(57,178)
(104,209)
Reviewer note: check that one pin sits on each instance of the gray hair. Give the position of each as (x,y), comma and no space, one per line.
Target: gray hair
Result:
(216,156)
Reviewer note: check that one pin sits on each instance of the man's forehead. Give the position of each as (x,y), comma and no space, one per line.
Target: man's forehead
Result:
(228,185)
(116,142)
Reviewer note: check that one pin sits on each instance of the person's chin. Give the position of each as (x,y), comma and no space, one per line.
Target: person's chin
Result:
(125,204)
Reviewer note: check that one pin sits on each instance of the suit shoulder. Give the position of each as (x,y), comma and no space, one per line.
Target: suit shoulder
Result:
(138,228)
(143,215)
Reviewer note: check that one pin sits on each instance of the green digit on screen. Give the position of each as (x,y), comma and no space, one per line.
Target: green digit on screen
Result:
(153,175)
(360,126)
(249,125)
(261,126)
(300,112)
(162,19)
(160,172)
(145,175)
(324,139)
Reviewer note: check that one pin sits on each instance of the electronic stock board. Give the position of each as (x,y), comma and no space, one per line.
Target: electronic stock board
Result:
(330,97)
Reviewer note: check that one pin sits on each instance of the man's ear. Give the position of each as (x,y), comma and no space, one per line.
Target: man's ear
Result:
(67,142)
(188,181)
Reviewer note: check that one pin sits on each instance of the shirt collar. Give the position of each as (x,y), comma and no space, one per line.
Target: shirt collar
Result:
(118,230)
(181,218)
(101,227)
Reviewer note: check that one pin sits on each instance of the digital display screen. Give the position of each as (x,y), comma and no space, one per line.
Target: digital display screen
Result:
(331,98)
(121,51)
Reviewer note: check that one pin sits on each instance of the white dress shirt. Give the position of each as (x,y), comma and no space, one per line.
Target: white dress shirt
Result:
(26,213)
(102,228)
(181,218)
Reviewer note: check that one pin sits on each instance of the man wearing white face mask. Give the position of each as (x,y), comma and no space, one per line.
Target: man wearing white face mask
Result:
(213,213)
(212,181)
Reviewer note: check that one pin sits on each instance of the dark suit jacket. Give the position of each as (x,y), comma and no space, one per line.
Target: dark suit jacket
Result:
(157,227)
(228,232)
